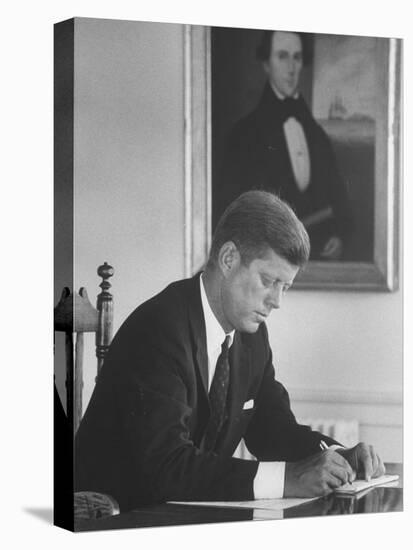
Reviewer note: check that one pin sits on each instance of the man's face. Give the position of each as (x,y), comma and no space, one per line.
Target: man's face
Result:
(285,62)
(249,293)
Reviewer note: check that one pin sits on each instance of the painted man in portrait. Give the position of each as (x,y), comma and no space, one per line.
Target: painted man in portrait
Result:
(279,147)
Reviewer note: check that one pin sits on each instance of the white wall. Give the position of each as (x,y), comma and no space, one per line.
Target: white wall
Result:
(128,172)
(339,354)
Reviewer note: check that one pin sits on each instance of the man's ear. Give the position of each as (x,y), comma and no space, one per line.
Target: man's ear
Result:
(228,258)
(266,67)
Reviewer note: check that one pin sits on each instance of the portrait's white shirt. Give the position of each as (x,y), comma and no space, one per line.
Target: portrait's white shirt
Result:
(297,147)
(269,479)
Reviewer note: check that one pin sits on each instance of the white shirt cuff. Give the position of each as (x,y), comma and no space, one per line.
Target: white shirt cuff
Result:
(269,480)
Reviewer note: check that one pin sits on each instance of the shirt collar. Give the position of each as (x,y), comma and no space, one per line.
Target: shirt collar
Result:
(215,334)
(280,95)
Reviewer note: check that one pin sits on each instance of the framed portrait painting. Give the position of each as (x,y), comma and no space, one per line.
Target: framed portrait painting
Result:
(346,190)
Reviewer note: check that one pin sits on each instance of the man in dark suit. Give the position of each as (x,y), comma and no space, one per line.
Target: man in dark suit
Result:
(280,147)
(190,373)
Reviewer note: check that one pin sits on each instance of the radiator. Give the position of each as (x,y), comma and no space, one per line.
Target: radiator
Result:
(345,432)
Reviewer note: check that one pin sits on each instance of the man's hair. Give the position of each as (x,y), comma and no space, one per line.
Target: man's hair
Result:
(264,47)
(257,221)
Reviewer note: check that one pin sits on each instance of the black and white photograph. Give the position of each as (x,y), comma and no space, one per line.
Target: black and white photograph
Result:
(206,233)
(198,172)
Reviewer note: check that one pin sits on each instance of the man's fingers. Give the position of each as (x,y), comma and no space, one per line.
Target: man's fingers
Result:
(374,462)
(342,472)
(381,470)
(383,467)
(336,477)
(332,247)
(339,459)
(365,457)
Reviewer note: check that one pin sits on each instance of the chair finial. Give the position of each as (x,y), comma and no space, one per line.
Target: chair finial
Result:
(105,271)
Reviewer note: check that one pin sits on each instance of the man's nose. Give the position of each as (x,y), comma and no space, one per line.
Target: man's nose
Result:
(275,298)
(291,66)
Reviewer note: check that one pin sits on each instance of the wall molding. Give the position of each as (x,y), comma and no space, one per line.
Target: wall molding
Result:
(389,425)
(379,414)
(333,395)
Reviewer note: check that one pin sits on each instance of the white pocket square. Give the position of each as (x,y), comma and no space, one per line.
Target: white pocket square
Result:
(248,405)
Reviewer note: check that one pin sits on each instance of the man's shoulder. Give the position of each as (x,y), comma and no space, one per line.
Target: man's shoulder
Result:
(159,321)
(169,307)
(248,122)
(169,301)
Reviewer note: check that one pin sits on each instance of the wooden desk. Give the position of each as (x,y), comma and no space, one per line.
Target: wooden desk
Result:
(376,500)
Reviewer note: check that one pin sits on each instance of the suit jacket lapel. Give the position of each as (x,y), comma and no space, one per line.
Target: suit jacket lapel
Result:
(198,331)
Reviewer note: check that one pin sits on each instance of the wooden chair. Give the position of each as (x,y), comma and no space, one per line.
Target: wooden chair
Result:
(74,315)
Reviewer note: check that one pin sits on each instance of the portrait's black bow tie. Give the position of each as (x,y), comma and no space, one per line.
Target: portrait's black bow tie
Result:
(290,107)
(290,101)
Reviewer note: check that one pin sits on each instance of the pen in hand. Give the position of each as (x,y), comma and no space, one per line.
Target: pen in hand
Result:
(324,447)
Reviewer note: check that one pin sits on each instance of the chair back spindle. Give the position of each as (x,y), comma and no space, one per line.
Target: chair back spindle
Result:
(105,309)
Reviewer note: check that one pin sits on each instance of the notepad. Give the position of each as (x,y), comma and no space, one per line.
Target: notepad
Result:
(361,484)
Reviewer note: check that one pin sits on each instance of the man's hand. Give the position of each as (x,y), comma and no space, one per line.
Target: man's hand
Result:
(316,475)
(364,460)
(333,249)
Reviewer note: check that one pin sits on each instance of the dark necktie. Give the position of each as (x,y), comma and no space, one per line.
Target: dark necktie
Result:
(218,397)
